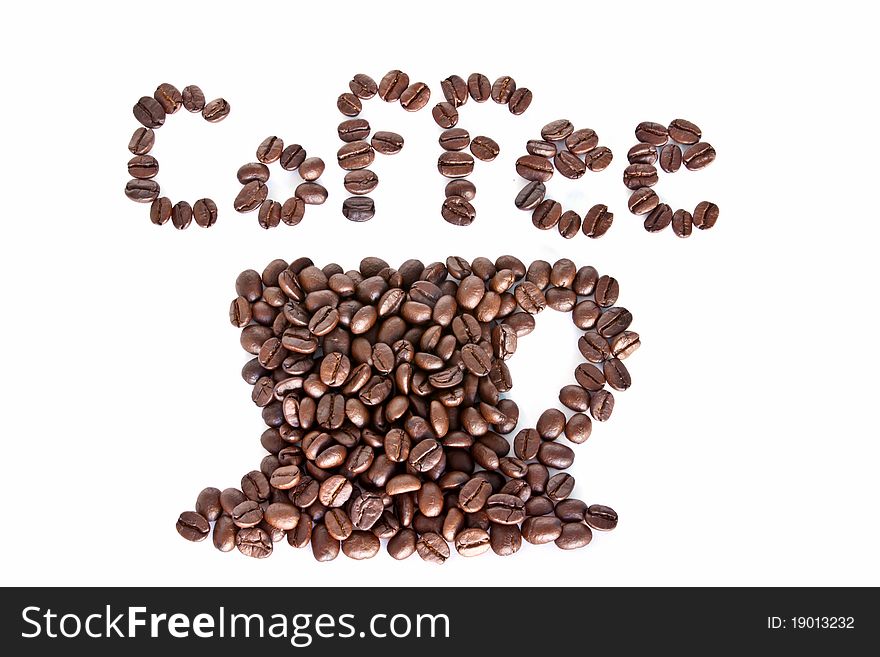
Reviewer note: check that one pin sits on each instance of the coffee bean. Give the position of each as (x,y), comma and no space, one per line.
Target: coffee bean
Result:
(269,214)
(600,517)
(425,455)
(578,428)
(143,167)
(547,214)
(432,548)
(415,97)
(216,110)
(574,535)
(363,86)
(505,509)
(142,141)
(458,211)
(598,158)
(324,547)
(479,87)
(472,542)
(484,148)
(569,224)
(311,193)
(142,191)
(181,215)
(530,196)
(358,208)
(636,176)
(224,534)
(168,96)
(557,130)
(698,156)
(519,101)
(569,165)
(607,291)
(555,455)
(455,165)
(387,143)
(247,514)
(253,171)
(684,132)
(581,141)
(570,510)
(682,223)
(574,398)
(208,504)
(505,539)
(462,188)
(361,181)
(254,542)
(589,377)
(652,133)
(658,218)
(642,153)
(445,115)
(335,491)
(193,98)
(251,196)
(502,88)
(231,498)
(705,215)
(205,212)
(193,526)
(542,529)
(392,85)
(270,149)
(149,112)
(526,444)
(353,130)
(624,344)
(355,155)
(613,321)
(597,221)
(292,157)
(293,211)
(349,104)
(532,167)
(455,90)
(541,148)
(593,346)
(403,544)
(617,375)
(530,298)
(670,158)
(454,139)
(643,200)
(539,505)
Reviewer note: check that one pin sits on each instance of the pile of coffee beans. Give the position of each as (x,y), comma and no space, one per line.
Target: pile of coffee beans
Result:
(572,153)
(457,208)
(150,112)
(678,143)
(383,391)
(254,192)
(356,154)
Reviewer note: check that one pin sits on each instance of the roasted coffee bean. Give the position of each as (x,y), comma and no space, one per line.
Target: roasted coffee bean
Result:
(269,214)
(224,534)
(607,291)
(231,498)
(254,542)
(216,110)
(502,88)
(574,535)
(363,86)
(505,539)
(526,444)
(335,491)
(205,212)
(445,115)
(193,526)
(270,149)
(208,504)
(455,90)
(247,514)
(251,196)
(658,218)
(292,156)
(324,547)
(425,455)
(479,87)
(593,346)
(652,133)
(311,193)
(402,544)
(149,112)
(613,321)
(168,96)
(557,130)
(569,165)
(598,158)
(193,98)
(293,210)
(581,141)
(362,181)
(455,164)
(597,221)
(142,191)
(253,171)
(361,545)
(670,158)
(454,139)
(535,168)
(698,156)
(462,188)
(160,211)
(541,529)
(547,214)
(505,509)
(392,85)
(642,153)
(387,143)
(541,148)
(530,298)
(311,168)
(551,424)
(472,542)
(349,104)
(616,374)
(625,344)
(353,130)
(705,215)
(358,208)
(539,505)
(432,548)
(355,155)
(578,428)
(142,141)
(519,101)
(643,200)
(484,148)
(555,455)
(684,132)
(458,211)
(415,97)
(636,176)
(600,517)
(569,224)
(530,196)
(682,223)
(601,405)
(574,398)
(282,515)
(181,215)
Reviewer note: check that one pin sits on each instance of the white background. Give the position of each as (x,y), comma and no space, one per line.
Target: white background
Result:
(746,451)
